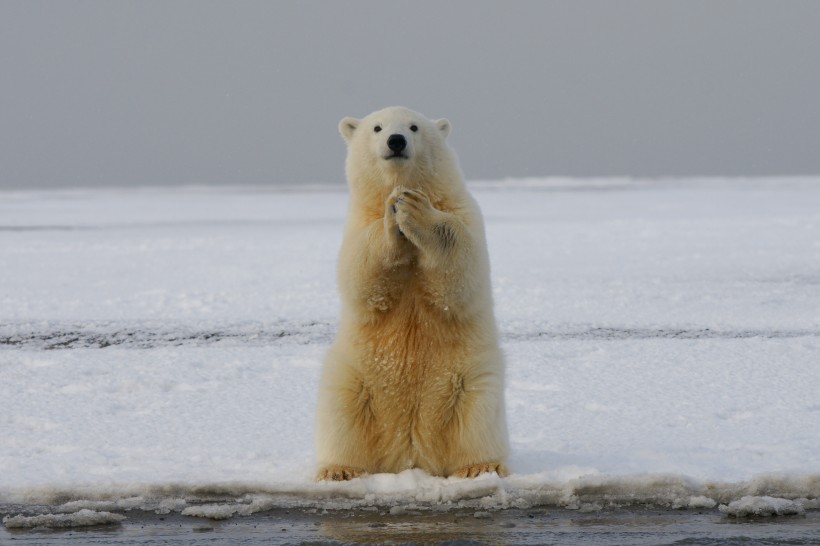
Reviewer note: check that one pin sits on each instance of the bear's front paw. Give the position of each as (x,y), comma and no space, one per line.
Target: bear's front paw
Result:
(391,226)
(412,210)
(473,470)
(338,473)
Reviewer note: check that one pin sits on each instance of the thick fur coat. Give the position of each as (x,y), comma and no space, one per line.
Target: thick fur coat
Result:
(415,377)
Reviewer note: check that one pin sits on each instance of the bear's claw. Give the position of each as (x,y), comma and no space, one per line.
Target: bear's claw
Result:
(339,473)
(473,470)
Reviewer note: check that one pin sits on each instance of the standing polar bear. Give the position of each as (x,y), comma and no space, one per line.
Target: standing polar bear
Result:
(415,377)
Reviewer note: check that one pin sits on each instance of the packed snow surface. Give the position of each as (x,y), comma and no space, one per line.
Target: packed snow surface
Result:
(160,348)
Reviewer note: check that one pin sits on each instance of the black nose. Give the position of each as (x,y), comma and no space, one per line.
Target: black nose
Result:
(396,143)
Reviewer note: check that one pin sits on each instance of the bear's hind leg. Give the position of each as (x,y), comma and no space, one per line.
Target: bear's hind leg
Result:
(476,427)
(347,437)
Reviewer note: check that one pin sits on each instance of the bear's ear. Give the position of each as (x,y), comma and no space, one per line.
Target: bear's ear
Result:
(347,127)
(443,126)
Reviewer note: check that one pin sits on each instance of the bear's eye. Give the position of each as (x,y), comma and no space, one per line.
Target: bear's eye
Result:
(414,128)
(377,128)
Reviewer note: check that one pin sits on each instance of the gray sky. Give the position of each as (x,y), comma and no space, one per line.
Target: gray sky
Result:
(104,92)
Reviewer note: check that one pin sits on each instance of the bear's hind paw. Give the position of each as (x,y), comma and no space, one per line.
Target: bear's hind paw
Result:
(339,473)
(473,470)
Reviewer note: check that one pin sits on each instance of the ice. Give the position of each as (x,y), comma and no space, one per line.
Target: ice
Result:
(699,501)
(160,349)
(762,507)
(83,518)
(211,511)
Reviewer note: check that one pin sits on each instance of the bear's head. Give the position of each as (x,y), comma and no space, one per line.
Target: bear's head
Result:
(397,146)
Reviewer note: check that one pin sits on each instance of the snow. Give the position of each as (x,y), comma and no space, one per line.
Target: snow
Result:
(211,511)
(762,507)
(160,348)
(82,518)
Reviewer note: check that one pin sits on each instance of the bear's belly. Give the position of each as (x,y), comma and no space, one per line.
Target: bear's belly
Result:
(412,341)
(414,363)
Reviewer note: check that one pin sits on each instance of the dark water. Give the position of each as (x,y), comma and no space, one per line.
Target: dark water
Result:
(549,526)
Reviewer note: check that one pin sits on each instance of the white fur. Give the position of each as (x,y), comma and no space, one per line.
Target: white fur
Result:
(415,375)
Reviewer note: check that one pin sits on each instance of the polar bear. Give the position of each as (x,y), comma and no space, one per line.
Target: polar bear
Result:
(415,376)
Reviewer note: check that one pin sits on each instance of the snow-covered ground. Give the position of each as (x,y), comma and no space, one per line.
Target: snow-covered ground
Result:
(160,348)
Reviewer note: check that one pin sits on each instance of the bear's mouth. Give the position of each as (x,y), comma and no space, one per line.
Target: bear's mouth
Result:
(396,155)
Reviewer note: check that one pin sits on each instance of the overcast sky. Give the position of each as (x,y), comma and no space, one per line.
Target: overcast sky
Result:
(108,92)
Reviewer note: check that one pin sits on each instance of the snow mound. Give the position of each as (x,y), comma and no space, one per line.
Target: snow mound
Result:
(762,507)
(699,502)
(156,503)
(411,487)
(211,511)
(83,518)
